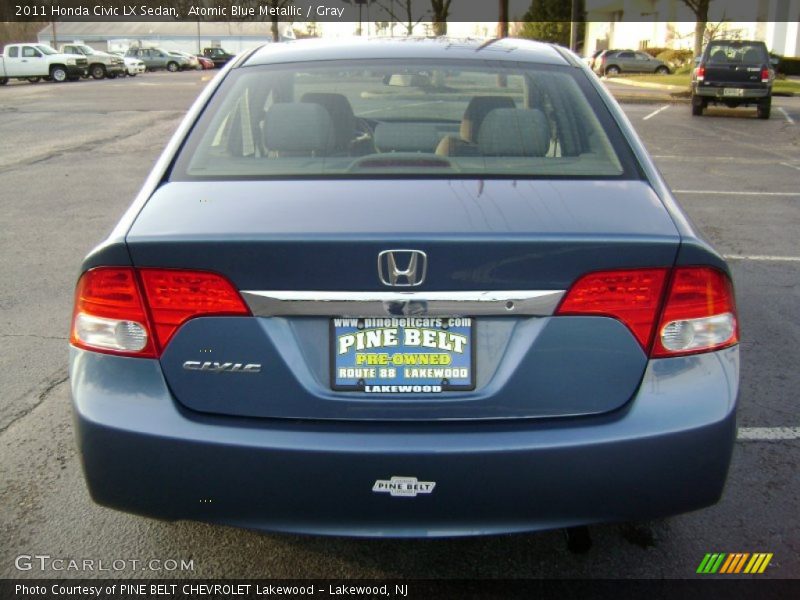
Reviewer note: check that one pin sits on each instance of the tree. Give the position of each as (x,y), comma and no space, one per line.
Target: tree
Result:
(405,15)
(441,10)
(549,21)
(502,19)
(700,10)
(276,4)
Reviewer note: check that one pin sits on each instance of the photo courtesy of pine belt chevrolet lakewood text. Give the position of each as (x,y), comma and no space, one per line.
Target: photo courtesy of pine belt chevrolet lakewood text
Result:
(405,288)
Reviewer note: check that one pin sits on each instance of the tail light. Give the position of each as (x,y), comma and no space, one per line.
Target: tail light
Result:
(699,313)
(670,312)
(700,73)
(764,75)
(135,312)
(631,296)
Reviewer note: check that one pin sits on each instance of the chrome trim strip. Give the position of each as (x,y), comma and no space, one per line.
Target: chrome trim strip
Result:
(388,304)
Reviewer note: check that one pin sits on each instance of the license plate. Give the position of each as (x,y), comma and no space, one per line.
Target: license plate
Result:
(397,355)
(733,92)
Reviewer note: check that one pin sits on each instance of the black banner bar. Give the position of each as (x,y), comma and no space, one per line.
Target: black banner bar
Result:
(399,11)
(708,588)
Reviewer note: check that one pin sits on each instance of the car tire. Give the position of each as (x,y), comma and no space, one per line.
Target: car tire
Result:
(662,70)
(58,74)
(172,67)
(763,109)
(612,70)
(34,79)
(97,71)
(697,106)
(3,80)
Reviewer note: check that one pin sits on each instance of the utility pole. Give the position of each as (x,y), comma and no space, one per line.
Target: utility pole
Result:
(573,27)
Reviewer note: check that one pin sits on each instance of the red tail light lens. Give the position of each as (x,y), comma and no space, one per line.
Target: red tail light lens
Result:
(131,312)
(764,75)
(670,312)
(700,73)
(175,296)
(631,296)
(699,313)
(109,315)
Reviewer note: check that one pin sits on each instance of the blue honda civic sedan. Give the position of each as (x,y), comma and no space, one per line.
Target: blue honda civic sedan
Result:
(405,288)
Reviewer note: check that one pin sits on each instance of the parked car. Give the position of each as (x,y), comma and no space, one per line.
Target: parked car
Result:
(335,309)
(133,66)
(36,61)
(614,62)
(191,59)
(156,59)
(590,59)
(101,64)
(206,63)
(734,73)
(218,56)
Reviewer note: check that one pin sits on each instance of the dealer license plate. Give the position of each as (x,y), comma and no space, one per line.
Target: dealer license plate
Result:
(396,355)
(733,92)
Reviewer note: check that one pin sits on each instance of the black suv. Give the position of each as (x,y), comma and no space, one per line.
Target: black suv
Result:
(733,73)
(218,56)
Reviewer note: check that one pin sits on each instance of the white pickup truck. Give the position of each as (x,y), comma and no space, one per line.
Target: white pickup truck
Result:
(101,64)
(36,61)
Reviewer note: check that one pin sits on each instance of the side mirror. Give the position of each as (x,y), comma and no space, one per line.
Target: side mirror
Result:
(774,61)
(697,60)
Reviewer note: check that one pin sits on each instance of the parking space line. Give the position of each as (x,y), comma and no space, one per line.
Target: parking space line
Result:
(655,112)
(762,257)
(736,193)
(767,434)
(785,164)
(786,115)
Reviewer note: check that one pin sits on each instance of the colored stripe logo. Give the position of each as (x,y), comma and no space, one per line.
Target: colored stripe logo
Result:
(734,563)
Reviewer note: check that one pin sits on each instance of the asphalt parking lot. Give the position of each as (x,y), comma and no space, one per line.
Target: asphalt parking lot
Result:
(74,155)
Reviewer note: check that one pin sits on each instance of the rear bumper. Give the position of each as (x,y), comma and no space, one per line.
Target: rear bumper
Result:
(713,92)
(665,453)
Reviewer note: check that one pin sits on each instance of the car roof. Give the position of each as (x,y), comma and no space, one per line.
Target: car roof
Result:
(406,48)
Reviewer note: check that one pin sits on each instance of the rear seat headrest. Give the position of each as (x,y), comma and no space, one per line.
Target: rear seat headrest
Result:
(514,132)
(298,127)
(340,111)
(476,112)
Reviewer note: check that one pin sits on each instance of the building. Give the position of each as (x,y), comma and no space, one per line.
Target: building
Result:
(639,24)
(233,36)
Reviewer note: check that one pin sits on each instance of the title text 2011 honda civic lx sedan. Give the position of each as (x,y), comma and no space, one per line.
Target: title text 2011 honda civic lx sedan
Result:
(405,288)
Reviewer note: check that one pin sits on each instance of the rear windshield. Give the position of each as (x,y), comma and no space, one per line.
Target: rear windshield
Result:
(391,118)
(737,52)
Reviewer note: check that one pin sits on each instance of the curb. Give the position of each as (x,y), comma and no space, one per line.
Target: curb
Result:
(650,98)
(644,84)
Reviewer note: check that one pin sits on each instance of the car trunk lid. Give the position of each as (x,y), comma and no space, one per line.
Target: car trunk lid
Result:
(501,238)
